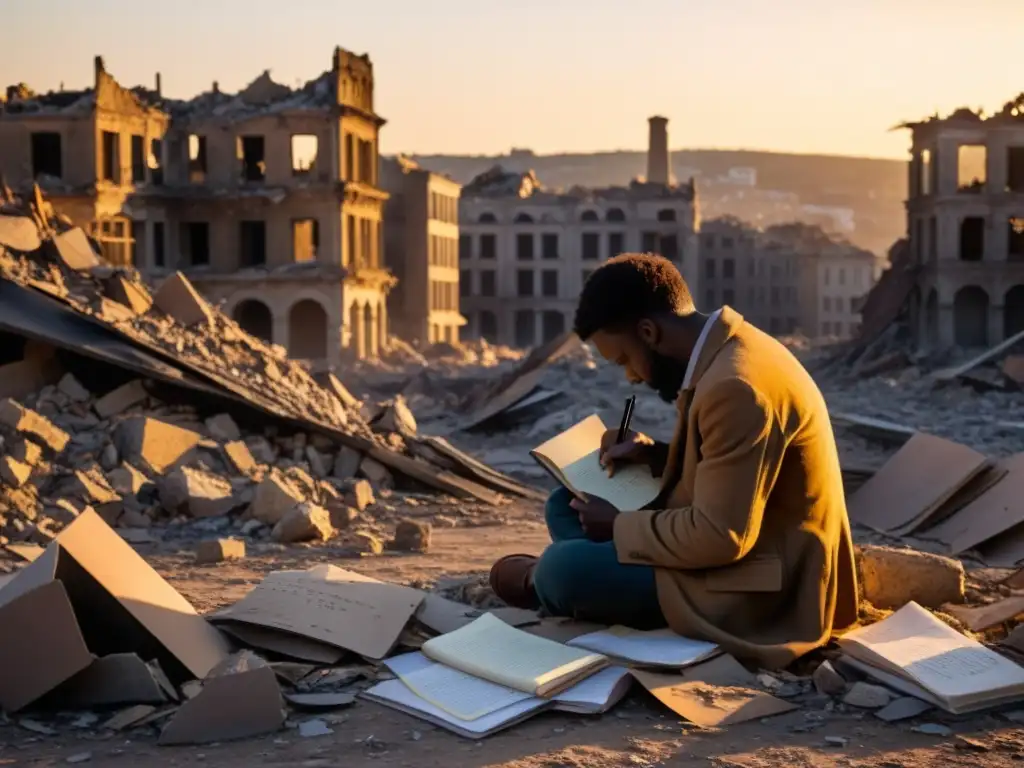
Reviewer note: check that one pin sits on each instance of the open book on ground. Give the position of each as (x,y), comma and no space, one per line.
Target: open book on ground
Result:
(916,653)
(464,701)
(573,459)
(489,648)
(656,648)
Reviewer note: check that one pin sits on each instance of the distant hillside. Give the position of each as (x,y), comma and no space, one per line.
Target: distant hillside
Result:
(875,189)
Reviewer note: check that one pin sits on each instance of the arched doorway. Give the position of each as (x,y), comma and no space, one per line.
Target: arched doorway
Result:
(307,331)
(1013,311)
(970,317)
(255,317)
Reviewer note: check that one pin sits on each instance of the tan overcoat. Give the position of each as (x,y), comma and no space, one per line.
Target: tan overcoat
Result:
(751,541)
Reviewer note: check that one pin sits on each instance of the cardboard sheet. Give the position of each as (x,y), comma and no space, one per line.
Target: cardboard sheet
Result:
(116,680)
(716,693)
(997,510)
(914,484)
(121,604)
(283,643)
(331,605)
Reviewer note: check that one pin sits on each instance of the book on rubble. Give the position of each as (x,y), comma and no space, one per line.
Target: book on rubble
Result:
(490,649)
(572,458)
(475,708)
(916,653)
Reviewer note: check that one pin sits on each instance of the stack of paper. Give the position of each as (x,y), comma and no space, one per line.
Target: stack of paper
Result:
(914,652)
(657,648)
(490,649)
(474,708)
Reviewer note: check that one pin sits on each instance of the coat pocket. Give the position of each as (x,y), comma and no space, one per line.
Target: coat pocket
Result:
(756,574)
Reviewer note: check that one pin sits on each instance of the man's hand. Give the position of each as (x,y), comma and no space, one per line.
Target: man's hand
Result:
(636,448)
(597,517)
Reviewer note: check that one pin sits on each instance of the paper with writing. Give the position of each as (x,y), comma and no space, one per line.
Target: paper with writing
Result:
(657,648)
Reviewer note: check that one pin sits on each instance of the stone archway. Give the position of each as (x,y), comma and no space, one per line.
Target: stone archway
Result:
(970,317)
(255,318)
(356,335)
(369,347)
(307,330)
(382,327)
(931,319)
(1013,311)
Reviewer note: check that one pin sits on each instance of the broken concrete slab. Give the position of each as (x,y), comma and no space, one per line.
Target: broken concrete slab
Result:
(13,473)
(346,463)
(126,479)
(219,551)
(376,473)
(177,298)
(128,293)
(25,451)
(223,428)
(395,416)
(196,493)
(274,497)
(240,458)
(74,250)
(29,423)
(890,578)
(73,389)
(305,522)
(154,444)
(121,399)
(360,495)
(19,233)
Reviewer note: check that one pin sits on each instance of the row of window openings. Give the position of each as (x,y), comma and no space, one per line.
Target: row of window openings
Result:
(441,251)
(525,283)
(250,151)
(48,159)
(443,295)
(612,215)
(972,239)
(971,169)
(524,326)
(443,208)
(590,246)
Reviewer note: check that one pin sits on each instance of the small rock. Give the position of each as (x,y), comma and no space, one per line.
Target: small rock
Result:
(867,696)
(346,463)
(836,741)
(197,493)
(305,522)
(121,399)
(219,550)
(366,543)
(25,451)
(249,527)
(223,429)
(13,472)
(240,456)
(109,458)
(342,515)
(73,389)
(395,417)
(81,757)
(261,449)
(376,473)
(275,496)
(360,495)
(828,681)
(903,708)
(317,727)
(932,729)
(970,745)
(411,536)
(318,464)
(891,578)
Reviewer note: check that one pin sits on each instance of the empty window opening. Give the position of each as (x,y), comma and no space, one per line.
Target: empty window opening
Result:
(111,157)
(305,239)
(925,168)
(591,246)
(349,257)
(670,247)
(137,230)
(488,325)
(250,152)
(552,325)
(524,282)
(155,161)
(138,160)
(1013,311)
(488,283)
(972,238)
(304,149)
(252,243)
(549,246)
(307,330)
(159,245)
(649,242)
(1015,169)
(971,170)
(616,244)
(465,247)
(523,218)
(549,283)
(615,214)
(588,216)
(666,214)
(196,159)
(488,246)
(195,238)
(115,239)
(525,328)
(970,317)
(487,218)
(524,247)
(255,318)
(465,283)
(1015,239)
(46,155)
(366,162)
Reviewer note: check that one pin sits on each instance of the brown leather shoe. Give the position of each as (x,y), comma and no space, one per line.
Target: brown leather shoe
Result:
(512,581)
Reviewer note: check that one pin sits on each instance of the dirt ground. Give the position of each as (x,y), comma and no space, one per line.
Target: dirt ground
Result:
(639,732)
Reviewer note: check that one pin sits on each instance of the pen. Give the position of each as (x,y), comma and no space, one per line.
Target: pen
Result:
(627,416)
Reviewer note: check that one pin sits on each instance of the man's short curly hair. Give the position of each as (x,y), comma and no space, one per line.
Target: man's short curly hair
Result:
(626,289)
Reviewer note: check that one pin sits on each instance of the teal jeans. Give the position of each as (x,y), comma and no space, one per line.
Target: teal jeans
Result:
(584,580)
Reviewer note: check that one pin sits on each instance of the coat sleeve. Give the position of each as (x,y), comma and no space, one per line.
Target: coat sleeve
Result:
(742,444)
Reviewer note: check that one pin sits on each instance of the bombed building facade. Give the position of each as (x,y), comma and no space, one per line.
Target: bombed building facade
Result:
(525,251)
(965,227)
(268,199)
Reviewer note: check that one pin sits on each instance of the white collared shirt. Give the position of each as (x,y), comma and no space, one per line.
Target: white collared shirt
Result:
(691,366)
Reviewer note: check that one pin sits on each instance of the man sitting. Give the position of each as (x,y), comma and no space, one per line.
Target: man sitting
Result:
(748,545)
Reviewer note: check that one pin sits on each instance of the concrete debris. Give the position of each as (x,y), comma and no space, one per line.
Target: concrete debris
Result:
(274,498)
(154,444)
(890,578)
(411,536)
(828,681)
(13,472)
(196,493)
(240,456)
(346,463)
(867,696)
(120,288)
(223,428)
(178,299)
(306,522)
(218,550)
(360,495)
(30,424)
(120,400)
(395,416)
(71,387)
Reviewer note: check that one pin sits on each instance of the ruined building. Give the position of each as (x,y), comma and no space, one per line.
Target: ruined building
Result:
(421,240)
(785,279)
(965,225)
(268,199)
(525,251)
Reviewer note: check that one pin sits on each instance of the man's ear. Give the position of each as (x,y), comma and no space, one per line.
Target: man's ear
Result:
(649,332)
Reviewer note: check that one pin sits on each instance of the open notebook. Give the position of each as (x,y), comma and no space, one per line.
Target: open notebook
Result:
(654,648)
(572,458)
(489,648)
(913,651)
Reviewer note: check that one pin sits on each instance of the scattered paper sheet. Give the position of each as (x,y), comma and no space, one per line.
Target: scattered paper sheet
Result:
(657,648)
(716,693)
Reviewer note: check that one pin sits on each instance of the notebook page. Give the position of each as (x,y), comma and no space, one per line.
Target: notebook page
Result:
(395,692)
(660,647)
(595,691)
(491,649)
(460,695)
(631,488)
(935,655)
(577,441)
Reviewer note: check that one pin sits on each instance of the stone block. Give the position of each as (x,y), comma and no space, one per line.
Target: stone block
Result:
(219,550)
(376,473)
(411,536)
(867,696)
(154,445)
(74,250)
(342,515)
(305,522)
(73,389)
(346,463)
(275,496)
(121,399)
(828,681)
(239,457)
(30,424)
(223,428)
(128,293)
(890,578)
(360,495)
(177,298)
(13,472)
(196,493)
(25,451)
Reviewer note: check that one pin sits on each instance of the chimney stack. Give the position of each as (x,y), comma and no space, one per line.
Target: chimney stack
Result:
(159,90)
(658,171)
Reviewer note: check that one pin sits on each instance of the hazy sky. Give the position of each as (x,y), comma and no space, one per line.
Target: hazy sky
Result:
(481,76)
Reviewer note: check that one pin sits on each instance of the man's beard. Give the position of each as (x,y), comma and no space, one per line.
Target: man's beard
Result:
(667,376)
